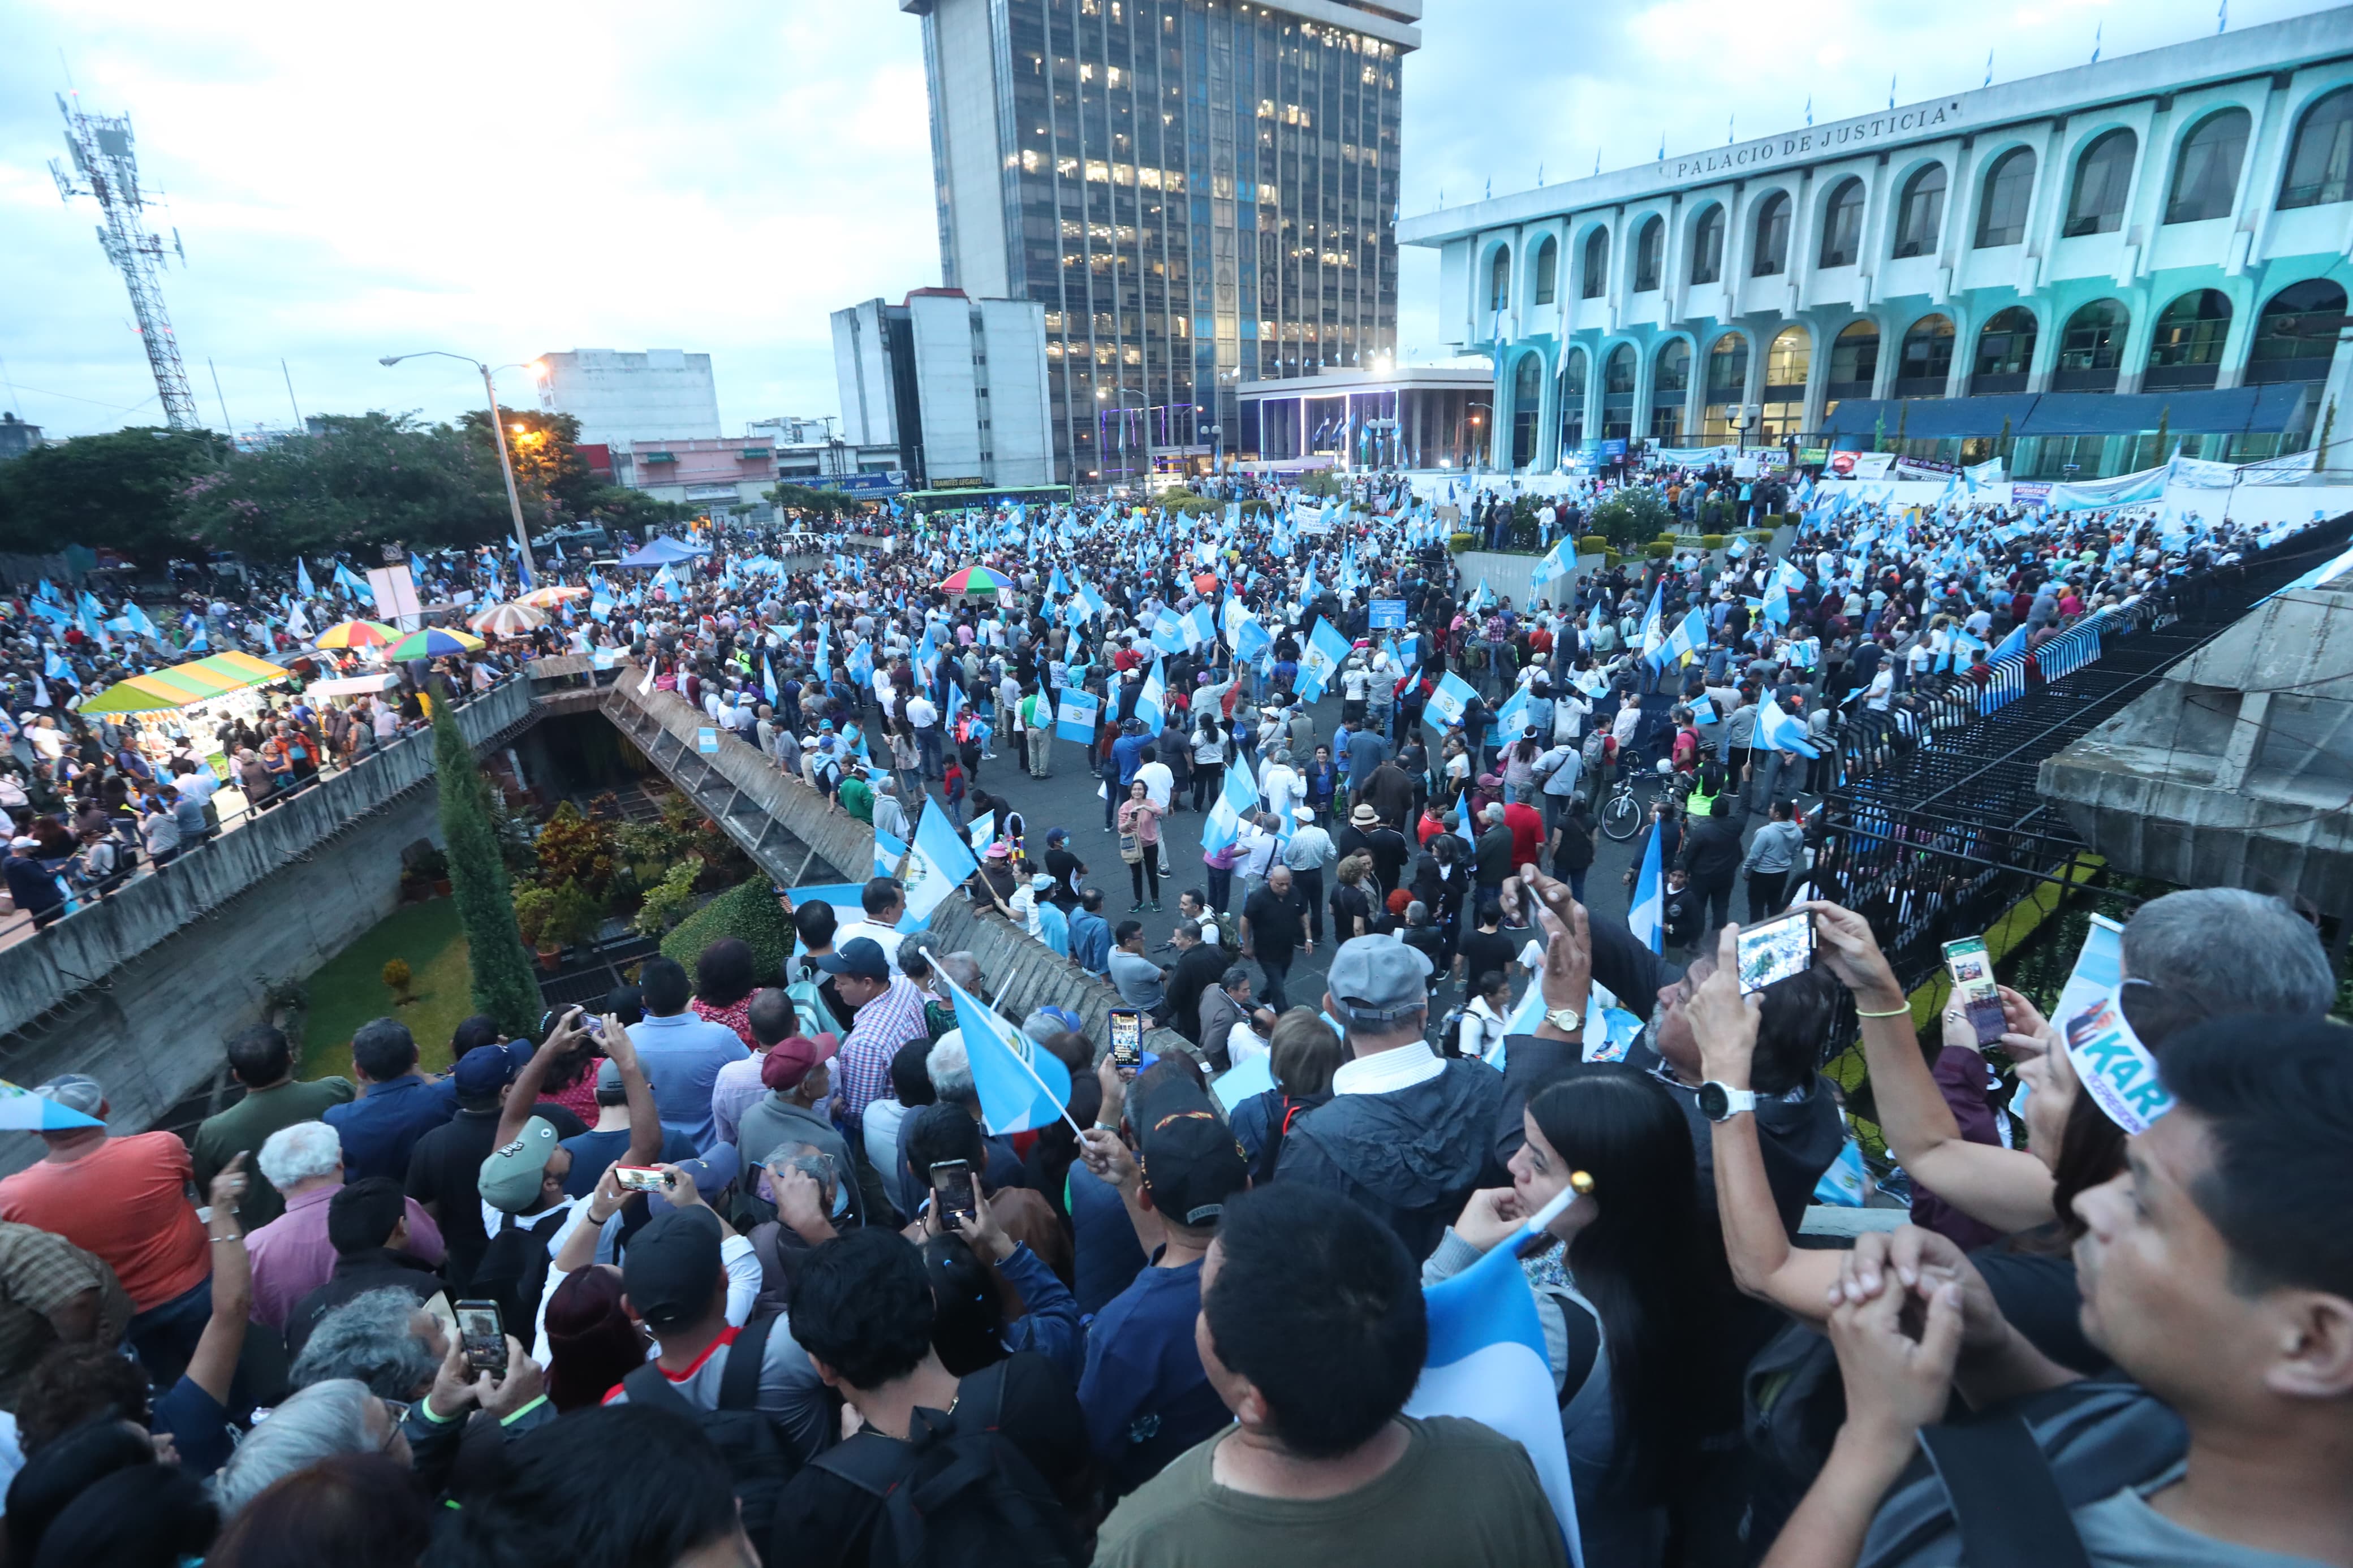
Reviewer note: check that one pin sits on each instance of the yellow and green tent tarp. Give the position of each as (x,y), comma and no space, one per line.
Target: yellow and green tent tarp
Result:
(184,684)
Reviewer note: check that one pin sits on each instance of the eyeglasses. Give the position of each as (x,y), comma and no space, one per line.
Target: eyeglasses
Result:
(395,1412)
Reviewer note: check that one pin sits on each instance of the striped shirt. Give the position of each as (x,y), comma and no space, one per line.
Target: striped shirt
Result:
(881,1026)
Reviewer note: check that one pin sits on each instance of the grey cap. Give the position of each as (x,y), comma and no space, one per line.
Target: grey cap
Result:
(75,1092)
(1378,980)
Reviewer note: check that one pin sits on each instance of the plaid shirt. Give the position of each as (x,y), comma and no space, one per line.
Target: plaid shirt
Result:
(40,1273)
(882,1026)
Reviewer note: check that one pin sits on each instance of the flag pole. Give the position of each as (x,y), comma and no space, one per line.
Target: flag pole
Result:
(1043,1087)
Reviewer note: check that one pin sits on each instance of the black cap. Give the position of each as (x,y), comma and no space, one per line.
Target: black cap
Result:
(1190,1162)
(861,955)
(670,1270)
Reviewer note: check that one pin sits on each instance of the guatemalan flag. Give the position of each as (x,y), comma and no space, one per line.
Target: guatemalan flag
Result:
(1777,731)
(1022,1088)
(1236,797)
(21,1110)
(1647,914)
(939,863)
(1486,1361)
(888,853)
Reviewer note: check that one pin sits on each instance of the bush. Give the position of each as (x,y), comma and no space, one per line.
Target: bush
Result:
(1592,544)
(1459,542)
(1710,542)
(577,850)
(1760,536)
(667,903)
(1630,517)
(397,976)
(747,910)
(574,918)
(1659,549)
(533,905)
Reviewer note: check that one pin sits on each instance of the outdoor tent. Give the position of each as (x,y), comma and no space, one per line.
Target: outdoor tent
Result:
(184,684)
(660,552)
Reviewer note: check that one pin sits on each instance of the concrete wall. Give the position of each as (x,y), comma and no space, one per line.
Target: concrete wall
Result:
(739,787)
(87,948)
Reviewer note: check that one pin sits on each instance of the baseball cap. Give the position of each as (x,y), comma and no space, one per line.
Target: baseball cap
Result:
(671,1270)
(712,1174)
(861,955)
(789,1059)
(21,842)
(1191,1162)
(512,1173)
(75,1092)
(1304,812)
(1378,978)
(481,1072)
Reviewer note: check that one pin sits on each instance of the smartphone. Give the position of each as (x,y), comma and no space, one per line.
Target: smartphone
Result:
(952,1180)
(484,1335)
(1973,987)
(641,1179)
(1126,1036)
(1776,949)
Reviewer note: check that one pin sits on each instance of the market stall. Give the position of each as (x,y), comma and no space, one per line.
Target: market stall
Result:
(193,701)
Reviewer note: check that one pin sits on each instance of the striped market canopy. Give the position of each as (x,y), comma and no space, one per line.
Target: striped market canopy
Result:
(184,684)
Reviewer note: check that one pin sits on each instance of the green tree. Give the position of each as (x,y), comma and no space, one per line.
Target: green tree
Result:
(552,477)
(359,480)
(503,985)
(1632,517)
(123,489)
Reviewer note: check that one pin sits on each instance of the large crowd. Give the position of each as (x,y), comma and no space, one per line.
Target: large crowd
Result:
(739,1267)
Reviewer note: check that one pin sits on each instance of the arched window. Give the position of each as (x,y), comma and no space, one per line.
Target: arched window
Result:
(1673,372)
(2103,173)
(1707,247)
(2186,348)
(1727,386)
(1547,265)
(1573,371)
(2090,347)
(1854,360)
(1527,402)
(1920,212)
(2320,165)
(2009,188)
(1596,265)
(1927,360)
(1499,279)
(1771,255)
(2296,335)
(1787,361)
(1617,371)
(1842,226)
(1649,243)
(2005,351)
(2206,174)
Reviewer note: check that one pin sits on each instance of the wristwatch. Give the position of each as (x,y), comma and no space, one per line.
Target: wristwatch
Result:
(1567,1020)
(1718,1104)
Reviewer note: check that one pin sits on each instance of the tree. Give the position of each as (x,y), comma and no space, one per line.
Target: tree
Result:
(358,480)
(503,985)
(122,489)
(550,475)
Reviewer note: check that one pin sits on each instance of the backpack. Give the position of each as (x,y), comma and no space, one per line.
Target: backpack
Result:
(956,1494)
(759,1461)
(1283,1113)
(513,1269)
(809,1007)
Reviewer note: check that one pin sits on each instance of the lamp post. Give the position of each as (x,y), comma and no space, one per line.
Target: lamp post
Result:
(499,433)
(1104,393)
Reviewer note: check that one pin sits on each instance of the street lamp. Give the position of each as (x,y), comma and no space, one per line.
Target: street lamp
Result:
(498,431)
(1104,393)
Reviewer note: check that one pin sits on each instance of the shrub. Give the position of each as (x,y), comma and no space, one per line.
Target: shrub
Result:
(1659,549)
(1760,536)
(397,976)
(574,918)
(576,849)
(533,905)
(1631,515)
(1459,542)
(1592,544)
(667,903)
(747,910)
(1710,540)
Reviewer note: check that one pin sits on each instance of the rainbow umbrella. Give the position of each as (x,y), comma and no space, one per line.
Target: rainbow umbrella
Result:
(978,580)
(555,593)
(508,620)
(433,642)
(358,634)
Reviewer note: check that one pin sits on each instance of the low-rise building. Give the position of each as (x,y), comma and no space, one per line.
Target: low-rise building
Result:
(619,398)
(956,386)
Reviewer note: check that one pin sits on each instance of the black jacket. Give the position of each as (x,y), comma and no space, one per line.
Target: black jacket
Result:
(1411,1156)
(356,1274)
(1712,852)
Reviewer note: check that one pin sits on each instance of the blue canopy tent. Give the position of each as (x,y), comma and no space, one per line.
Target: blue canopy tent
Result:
(660,552)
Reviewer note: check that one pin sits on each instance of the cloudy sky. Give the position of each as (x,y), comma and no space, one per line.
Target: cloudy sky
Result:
(504,179)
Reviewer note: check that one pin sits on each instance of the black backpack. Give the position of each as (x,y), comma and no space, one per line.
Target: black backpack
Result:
(956,1494)
(513,1269)
(759,1461)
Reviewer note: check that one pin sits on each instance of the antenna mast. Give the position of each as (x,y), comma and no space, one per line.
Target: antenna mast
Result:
(100,145)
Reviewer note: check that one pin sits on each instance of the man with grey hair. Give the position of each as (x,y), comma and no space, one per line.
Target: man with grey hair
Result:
(382,1339)
(337,1417)
(2231,950)
(291,1256)
(1406,1134)
(1491,858)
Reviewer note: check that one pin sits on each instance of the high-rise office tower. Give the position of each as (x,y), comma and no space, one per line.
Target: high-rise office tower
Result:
(1200,193)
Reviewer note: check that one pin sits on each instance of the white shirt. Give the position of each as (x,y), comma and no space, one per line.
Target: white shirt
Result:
(1386,1072)
(921,713)
(880,936)
(1159,784)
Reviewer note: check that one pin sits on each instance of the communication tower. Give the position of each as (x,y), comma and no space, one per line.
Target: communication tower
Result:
(107,170)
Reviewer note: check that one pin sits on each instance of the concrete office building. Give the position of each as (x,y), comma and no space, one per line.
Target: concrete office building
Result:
(619,398)
(1199,193)
(957,386)
(2061,267)
(17,437)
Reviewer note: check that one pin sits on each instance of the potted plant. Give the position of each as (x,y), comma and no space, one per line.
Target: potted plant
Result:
(574,918)
(535,906)
(432,865)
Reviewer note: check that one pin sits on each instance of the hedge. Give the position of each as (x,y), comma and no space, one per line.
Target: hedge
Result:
(1710,542)
(748,910)
(1459,542)
(1659,549)
(1592,544)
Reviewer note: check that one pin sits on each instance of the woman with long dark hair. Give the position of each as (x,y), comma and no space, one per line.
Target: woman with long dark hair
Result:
(1617,1284)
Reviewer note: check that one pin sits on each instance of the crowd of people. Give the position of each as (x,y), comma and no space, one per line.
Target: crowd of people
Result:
(735,1267)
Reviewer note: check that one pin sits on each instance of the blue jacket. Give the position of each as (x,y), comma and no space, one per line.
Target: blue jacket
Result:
(1412,1156)
(380,1128)
(1091,942)
(1128,752)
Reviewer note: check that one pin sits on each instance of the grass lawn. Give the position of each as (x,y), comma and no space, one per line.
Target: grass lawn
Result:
(349,990)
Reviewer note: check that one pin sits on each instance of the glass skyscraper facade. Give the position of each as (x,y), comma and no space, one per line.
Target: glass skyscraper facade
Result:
(1201,194)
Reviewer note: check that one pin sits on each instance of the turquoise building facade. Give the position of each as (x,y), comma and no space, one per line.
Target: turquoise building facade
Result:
(2067,272)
